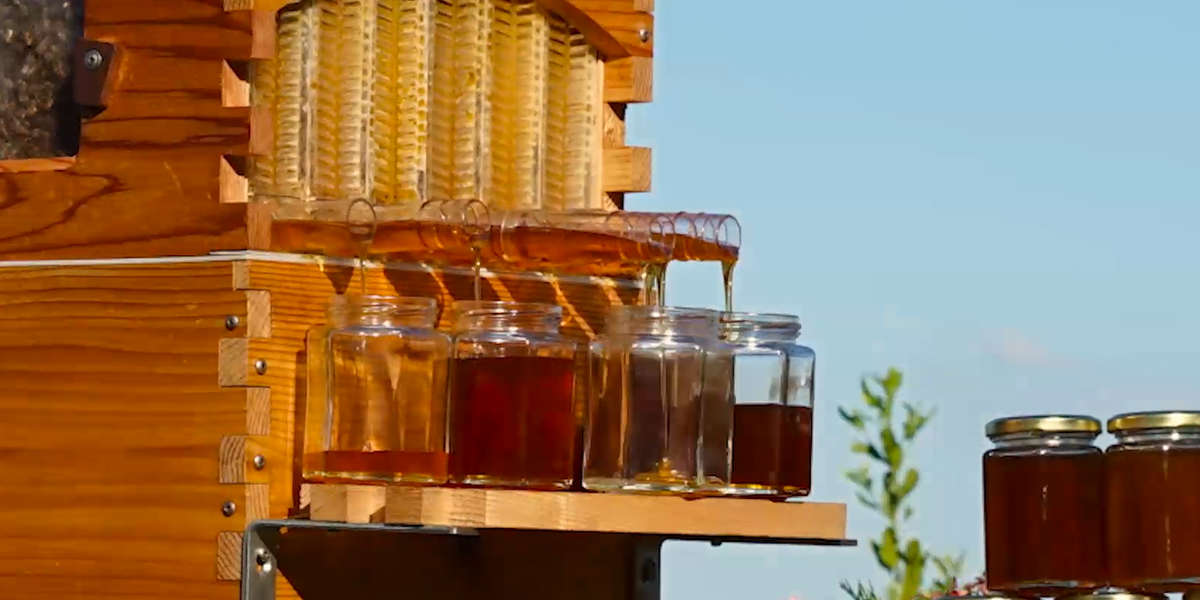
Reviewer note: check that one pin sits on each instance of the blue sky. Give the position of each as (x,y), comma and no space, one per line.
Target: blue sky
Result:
(1000,198)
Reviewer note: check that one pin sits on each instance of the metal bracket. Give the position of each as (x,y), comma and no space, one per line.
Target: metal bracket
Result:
(95,68)
(261,545)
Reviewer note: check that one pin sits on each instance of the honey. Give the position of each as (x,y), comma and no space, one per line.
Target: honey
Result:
(772,449)
(513,422)
(1044,506)
(1153,510)
(512,402)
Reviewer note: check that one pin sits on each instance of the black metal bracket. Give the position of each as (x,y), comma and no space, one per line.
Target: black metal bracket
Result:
(325,560)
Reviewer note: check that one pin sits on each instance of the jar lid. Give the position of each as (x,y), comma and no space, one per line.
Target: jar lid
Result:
(1162,419)
(1043,424)
(1111,593)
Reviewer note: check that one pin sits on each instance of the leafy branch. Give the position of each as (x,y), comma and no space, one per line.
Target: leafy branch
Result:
(885,484)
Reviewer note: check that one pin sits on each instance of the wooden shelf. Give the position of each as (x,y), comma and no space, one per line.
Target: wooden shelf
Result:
(667,516)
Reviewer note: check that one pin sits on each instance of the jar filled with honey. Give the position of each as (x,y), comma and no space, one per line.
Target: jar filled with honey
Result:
(772,406)
(1043,505)
(512,406)
(377,392)
(648,378)
(1152,490)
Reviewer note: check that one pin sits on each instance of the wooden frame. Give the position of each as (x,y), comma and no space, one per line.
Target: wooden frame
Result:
(161,170)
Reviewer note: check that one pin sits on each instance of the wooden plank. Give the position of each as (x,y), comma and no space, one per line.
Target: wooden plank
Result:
(110,422)
(627,169)
(629,79)
(346,503)
(613,513)
(614,29)
(34,165)
(145,181)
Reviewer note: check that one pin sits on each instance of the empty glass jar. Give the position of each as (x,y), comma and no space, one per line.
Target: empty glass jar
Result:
(772,406)
(377,392)
(646,391)
(1043,505)
(512,397)
(1153,509)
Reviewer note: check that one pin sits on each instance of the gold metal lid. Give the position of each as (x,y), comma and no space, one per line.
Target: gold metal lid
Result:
(1161,419)
(1043,424)
(1111,593)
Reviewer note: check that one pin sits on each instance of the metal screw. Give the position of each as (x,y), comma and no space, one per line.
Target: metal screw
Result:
(228,508)
(263,560)
(260,461)
(260,366)
(231,322)
(92,59)
(644,35)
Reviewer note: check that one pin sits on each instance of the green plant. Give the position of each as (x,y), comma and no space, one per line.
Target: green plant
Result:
(886,484)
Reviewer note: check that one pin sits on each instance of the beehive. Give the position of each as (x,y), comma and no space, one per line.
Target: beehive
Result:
(150,348)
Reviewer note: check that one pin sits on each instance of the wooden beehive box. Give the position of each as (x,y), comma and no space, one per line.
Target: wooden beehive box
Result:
(150,350)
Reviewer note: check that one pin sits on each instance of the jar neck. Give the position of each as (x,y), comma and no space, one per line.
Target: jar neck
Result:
(1184,436)
(751,328)
(662,321)
(507,317)
(1044,439)
(383,311)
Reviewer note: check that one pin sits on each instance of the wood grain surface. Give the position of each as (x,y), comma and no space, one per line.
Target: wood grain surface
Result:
(580,511)
(145,182)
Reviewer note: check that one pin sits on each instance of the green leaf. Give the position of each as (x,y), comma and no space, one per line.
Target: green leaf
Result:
(914,421)
(869,450)
(906,487)
(860,476)
(914,570)
(908,512)
(853,417)
(871,398)
(887,550)
(895,455)
(866,501)
(891,382)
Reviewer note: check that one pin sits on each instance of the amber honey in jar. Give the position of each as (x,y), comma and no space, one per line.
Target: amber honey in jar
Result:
(1152,494)
(512,397)
(1044,505)
(377,392)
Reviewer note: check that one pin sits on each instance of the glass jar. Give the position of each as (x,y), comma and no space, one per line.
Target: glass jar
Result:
(772,406)
(377,392)
(1153,508)
(511,396)
(647,386)
(1043,505)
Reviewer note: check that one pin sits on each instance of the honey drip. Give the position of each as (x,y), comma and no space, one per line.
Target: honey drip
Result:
(344,39)
(570,123)
(278,85)
(459,107)
(727,278)
(400,102)
(518,62)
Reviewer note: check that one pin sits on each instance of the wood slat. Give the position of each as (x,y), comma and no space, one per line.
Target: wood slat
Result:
(627,169)
(575,511)
(629,79)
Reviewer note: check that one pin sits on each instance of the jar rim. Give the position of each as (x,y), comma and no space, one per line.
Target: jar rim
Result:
(387,301)
(1042,424)
(738,320)
(482,308)
(1158,419)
